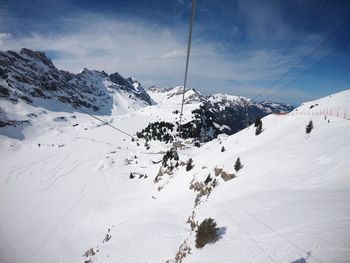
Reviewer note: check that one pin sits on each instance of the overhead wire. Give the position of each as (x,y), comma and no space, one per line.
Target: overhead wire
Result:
(308,69)
(84,111)
(275,231)
(250,237)
(302,60)
(187,62)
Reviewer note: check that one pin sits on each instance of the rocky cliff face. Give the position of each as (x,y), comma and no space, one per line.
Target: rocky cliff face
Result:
(217,113)
(222,113)
(214,114)
(32,77)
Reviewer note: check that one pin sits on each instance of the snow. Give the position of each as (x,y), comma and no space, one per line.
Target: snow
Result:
(336,105)
(60,198)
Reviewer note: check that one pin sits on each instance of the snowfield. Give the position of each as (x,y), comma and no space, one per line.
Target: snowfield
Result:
(66,193)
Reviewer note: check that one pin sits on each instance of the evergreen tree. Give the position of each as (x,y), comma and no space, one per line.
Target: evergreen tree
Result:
(208,179)
(258,130)
(223,149)
(309,127)
(238,165)
(207,232)
(258,124)
(258,121)
(189,165)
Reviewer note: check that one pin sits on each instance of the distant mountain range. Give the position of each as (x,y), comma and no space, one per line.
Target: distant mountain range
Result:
(217,113)
(31,77)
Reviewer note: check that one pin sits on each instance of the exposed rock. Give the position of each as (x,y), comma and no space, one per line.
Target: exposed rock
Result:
(30,75)
(224,175)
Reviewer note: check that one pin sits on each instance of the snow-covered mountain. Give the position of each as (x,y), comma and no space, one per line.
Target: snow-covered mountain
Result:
(31,77)
(77,191)
(173,95)
(214,114)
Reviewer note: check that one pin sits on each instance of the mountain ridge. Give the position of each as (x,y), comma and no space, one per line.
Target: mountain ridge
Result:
(31,77)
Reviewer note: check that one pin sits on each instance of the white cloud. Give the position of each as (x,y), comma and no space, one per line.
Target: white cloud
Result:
(174,54)
(4,38)
(153,54)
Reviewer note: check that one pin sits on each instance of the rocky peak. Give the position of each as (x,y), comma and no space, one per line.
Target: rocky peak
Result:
(119,80)
(38,55)
(31,76)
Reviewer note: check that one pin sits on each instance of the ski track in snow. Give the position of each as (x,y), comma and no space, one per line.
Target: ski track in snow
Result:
(17,172)
(64,215)
(288,204)
(53,179)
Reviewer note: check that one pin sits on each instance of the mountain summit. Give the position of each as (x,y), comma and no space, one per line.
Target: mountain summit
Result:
(32,77)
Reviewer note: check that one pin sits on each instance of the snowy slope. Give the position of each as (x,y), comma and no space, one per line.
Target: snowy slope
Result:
(66,189)
(291,182)
(335,105)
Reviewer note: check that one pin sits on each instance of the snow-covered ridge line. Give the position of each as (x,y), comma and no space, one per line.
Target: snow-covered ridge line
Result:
(174,95)
(214,114)
(31,77)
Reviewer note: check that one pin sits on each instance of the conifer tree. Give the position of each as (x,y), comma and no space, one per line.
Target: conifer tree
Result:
(238,165)
(189,165)
(309,127)
(258,121)
(258,130)
(258,125)
(206,233)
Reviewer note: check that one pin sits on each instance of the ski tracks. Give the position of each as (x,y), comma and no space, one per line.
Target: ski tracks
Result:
(17,172)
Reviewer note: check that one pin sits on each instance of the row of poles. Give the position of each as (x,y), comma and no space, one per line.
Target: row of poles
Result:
(339,113)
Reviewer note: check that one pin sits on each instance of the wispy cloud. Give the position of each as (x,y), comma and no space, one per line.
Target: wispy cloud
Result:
(155,54)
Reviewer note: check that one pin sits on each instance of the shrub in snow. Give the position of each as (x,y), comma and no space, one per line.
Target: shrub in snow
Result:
(309,127)
(191,221)
(189,164)
(238,165)
(184,249)
(206,233)
(203,189)
(223,149)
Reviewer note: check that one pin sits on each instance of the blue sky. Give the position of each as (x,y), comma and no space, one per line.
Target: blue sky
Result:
(239,47)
